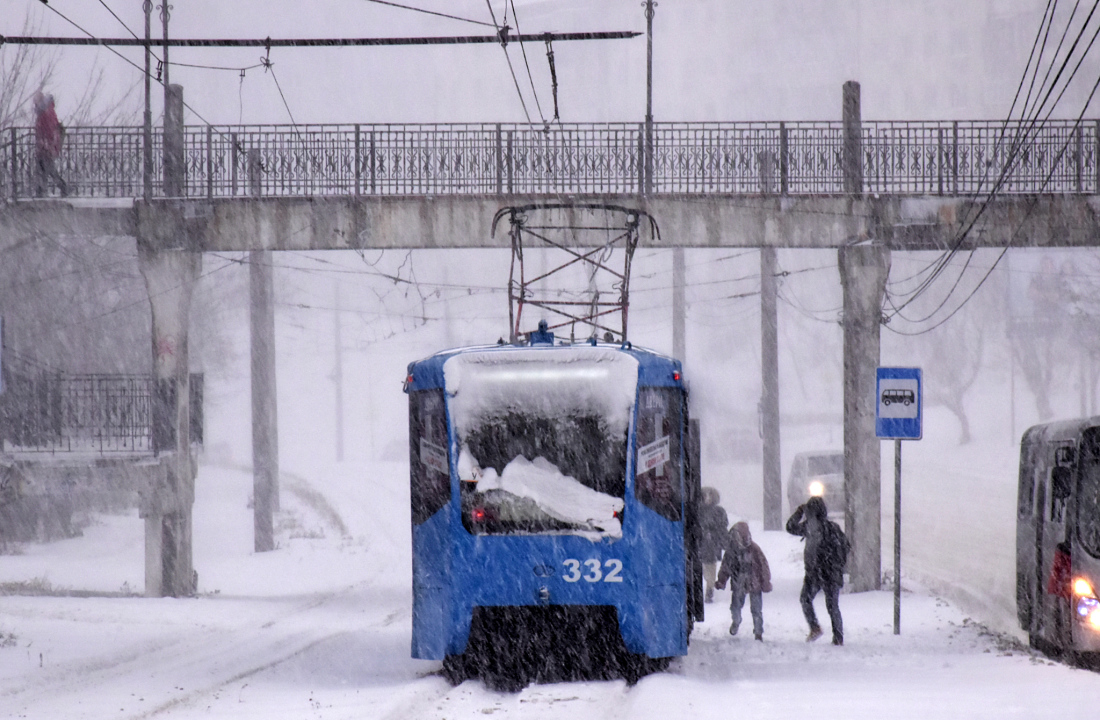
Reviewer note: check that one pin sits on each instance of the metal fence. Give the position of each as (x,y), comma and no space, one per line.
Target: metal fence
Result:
(50,411)
(798,158)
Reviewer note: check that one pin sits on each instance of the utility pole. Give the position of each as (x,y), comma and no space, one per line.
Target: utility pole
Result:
(679,306)
(649,6)
(338,372)
(265,424)
(147,165)
(769,400)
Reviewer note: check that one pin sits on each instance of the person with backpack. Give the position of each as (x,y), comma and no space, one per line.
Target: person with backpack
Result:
(825,556)
(746,567)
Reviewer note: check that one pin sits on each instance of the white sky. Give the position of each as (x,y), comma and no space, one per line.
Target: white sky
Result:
(714,59)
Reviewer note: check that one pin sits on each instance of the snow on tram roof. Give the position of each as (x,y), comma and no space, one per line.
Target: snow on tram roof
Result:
(653,368)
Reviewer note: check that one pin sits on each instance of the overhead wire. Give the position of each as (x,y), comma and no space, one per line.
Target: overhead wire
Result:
(502,33)
(1029,126)
(1042,34)
(431,12)
(523,50)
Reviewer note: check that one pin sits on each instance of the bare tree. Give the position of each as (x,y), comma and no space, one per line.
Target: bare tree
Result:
(26,69)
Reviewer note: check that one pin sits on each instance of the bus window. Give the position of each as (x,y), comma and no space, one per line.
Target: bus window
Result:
(430,471)
(657,461)
(1088,506)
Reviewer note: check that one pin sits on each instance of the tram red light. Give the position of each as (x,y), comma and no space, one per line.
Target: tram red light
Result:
(477,514)
(676,375)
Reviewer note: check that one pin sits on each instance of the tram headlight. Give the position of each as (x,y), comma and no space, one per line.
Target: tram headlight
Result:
(816,488)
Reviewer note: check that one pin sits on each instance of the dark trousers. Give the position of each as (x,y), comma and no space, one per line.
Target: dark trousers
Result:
(756,608)
(45,172)
(810,587)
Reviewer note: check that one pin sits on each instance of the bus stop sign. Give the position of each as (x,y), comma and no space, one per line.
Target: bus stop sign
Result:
(898,406)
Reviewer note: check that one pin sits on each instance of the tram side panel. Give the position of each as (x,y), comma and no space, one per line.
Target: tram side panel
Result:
(432,528)
(656,622)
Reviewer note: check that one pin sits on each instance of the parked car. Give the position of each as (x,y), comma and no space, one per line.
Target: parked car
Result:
(821,473)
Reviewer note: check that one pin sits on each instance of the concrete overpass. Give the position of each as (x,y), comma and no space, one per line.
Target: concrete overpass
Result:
(863,189)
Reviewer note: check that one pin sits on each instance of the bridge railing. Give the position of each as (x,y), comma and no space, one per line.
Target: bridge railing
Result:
(43,410)
(797,158)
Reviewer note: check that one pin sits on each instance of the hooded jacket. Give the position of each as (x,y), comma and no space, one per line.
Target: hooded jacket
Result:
(744,562)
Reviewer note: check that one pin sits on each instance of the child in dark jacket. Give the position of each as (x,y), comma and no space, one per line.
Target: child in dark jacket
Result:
(745,566)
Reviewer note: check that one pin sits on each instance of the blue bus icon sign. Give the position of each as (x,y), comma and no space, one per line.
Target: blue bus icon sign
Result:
(898,403)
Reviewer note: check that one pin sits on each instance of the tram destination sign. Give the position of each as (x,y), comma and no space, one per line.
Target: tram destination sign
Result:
(898,403)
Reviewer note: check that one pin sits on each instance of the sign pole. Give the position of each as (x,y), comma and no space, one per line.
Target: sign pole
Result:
(897,536)
(898,417)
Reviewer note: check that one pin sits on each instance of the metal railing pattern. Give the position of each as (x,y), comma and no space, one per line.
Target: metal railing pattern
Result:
(797,158)
(50,411)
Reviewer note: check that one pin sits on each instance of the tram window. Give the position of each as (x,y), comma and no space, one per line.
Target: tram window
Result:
(564,450)
(657,460)
(1088,506)
(430,471)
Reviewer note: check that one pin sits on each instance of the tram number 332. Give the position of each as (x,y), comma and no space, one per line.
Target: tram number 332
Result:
(592,570)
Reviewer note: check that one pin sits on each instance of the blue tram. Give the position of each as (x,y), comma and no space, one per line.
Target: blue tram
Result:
(553,492)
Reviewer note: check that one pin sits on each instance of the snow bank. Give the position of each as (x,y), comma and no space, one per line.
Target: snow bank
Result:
(558,495)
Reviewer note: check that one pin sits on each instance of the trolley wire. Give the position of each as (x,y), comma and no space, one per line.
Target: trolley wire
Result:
(502,33)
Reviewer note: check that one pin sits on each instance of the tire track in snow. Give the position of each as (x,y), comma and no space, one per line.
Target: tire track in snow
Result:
(150,678)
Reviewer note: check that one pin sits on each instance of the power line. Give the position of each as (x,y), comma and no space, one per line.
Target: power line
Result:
(429,12)
(1029,126)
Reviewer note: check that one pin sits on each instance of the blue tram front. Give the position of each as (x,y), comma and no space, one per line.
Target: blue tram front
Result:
(552,503)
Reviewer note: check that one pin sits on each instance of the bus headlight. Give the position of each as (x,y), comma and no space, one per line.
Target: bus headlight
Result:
(1087,606)
(816,488)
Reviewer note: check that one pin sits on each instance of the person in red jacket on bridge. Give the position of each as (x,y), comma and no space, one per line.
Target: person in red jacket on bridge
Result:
(49,135)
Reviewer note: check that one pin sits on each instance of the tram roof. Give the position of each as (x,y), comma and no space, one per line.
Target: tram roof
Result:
(654,369)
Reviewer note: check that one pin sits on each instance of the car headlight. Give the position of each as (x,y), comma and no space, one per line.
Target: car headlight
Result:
(816,488)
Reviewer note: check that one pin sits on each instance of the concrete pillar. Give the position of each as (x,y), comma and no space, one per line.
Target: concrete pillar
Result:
(170,270)
(166,502)
(863,273)
(265,425)
(265,434)
(769,396)
(769,357)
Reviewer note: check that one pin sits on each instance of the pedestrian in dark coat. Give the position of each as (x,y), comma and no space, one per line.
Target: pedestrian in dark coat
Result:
(746,567)
(713,522)
(48,138)
(822,571)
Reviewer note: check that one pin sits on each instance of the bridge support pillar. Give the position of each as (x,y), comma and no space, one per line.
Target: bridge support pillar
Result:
(769,395)
(863,272)
(265,426)
(167,499)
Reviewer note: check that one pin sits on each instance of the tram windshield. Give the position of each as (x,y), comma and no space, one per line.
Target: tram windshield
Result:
(1088,507)
(542,437)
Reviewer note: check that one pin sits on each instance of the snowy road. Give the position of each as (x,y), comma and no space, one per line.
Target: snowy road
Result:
(321,628)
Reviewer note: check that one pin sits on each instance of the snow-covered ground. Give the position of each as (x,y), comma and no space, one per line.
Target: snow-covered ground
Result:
(320,628)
